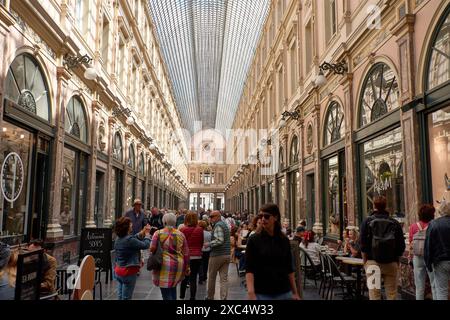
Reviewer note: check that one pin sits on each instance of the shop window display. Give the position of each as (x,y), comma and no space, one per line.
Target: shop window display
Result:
(15,157)
(382,172)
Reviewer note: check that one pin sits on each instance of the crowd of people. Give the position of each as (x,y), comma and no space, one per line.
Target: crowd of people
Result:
(194,247)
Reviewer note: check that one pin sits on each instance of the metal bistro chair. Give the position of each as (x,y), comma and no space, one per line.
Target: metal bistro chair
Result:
(325,274)
(308,267)
(61,282)
(339,278)
(98,282)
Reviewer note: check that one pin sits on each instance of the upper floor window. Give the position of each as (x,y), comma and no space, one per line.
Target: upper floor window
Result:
(27,87)
(131,157)
(294,151)
(141,165)
(330,19)
(334,128)
(380,94)
(439,67)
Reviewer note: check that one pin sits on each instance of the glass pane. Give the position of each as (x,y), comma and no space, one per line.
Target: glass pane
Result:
(130,191)
(332,200)
(68,193)
(334,124)
(26,86)
(380,94)
(82,209)
(439,142)
(113,194)
(15,156)
(381,172)
(439,71)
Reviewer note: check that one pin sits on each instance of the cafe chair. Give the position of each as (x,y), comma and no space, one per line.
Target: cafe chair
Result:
(61,283)
(325,274)
(341,279)
(308,267)
(98,282)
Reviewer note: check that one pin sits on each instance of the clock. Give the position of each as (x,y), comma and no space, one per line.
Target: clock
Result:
(11,177)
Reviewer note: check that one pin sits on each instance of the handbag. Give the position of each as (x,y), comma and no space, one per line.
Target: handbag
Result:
(154,261)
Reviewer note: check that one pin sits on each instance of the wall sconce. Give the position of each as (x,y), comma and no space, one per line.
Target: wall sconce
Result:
(126,112)
(287,115)
(72,62)
(337,68)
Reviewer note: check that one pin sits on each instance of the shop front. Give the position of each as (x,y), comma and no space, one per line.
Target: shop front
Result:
(26,139)
(334,177)
(434,115)
(379,142)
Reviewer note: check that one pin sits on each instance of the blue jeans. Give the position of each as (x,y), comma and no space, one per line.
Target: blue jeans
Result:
(420,277)
(441,278)
(169,293)
(125,286)
(281,296)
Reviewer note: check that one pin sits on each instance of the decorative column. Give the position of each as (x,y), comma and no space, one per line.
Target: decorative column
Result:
(126,171)
(54,230)
(107,222)
(350,205)
(318,225)
(91,177)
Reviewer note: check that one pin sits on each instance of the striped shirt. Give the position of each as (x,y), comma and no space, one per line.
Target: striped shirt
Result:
(175,257)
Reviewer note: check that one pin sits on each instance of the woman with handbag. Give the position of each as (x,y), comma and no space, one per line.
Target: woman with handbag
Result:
(173,249)
(127,247)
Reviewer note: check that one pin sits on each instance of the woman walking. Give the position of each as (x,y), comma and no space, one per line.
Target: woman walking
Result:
(269,267)
(194,238)
(417,232)
(206,249)
(127,264)
(175,254)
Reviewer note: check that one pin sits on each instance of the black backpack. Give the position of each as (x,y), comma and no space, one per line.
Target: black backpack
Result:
(382,231)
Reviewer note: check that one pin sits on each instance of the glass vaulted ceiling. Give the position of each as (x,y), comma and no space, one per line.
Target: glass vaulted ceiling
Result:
(208,46)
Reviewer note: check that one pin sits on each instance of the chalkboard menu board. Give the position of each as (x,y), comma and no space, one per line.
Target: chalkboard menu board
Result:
(29,273)
(97,242)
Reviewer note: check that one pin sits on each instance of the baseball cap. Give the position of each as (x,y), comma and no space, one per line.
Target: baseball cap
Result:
(300,229)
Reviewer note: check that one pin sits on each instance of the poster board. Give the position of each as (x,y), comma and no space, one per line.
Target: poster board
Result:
(29,274)
(97,242)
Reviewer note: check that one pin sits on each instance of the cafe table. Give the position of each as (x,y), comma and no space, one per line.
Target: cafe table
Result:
(358,264)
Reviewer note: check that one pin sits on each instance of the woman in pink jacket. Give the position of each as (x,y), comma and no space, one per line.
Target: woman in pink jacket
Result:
(194,237)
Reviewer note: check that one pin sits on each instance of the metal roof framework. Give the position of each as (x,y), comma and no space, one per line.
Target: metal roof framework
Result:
(208,47)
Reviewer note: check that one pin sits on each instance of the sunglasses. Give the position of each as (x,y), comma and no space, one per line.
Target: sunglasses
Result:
(266,216)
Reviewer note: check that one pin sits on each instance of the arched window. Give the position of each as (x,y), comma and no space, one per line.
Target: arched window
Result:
(75,122)
(309,139)
(380,94)
(131,157)
(439,67)
(334,124)
(118,148)
(26,86)
(294,151)
(141,165)
(281,159)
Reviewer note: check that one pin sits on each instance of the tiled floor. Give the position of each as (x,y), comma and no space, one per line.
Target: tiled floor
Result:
(145,290)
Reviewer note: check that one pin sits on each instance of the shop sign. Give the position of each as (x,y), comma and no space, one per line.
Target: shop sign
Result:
(11,177)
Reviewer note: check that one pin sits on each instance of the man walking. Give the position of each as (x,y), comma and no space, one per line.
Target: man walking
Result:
(382,245)
(437,251)
(219,258)
(156,219)
(137,216)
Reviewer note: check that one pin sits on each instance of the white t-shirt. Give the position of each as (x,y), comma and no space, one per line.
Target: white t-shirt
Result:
(313,250)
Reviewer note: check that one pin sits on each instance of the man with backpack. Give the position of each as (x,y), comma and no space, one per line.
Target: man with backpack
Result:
(417,236)
(382,245)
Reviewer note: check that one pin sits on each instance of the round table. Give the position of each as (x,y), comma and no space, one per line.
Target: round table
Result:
(358,263)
